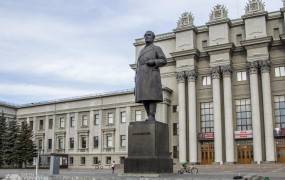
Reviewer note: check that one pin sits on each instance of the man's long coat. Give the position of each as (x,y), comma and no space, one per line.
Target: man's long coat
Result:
(148,82)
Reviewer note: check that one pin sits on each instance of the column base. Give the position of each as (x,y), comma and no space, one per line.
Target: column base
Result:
(268,162)
(217,163)
(229,163)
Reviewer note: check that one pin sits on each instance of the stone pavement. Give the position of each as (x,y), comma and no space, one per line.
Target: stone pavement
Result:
(214,172)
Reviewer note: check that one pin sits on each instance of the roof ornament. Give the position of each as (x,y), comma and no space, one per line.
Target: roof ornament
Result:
(185,20)
(255,6)
(219,12)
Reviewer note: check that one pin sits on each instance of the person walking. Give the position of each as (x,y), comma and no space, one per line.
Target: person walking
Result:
(113,167)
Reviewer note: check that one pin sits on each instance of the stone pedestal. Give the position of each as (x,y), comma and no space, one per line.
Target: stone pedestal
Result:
(54,164)
(148,148)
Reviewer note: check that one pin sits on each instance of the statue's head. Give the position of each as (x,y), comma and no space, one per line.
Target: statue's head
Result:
(149,37)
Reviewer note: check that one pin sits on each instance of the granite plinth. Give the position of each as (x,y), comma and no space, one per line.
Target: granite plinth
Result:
(148,148)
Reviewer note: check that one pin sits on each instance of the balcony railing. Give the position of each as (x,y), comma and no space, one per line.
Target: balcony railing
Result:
(109,149)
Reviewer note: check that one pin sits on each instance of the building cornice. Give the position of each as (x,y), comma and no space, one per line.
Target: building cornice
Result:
(219,47)
(217,22)
(190,52)
(185,28)
(257,41)
(253,15)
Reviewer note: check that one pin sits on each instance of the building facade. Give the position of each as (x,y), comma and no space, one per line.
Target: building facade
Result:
(224,97)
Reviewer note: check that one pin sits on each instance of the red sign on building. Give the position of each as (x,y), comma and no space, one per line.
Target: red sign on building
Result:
(206,136)
(247,134)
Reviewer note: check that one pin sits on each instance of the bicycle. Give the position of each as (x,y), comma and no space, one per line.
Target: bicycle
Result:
(98,166)
(188,169)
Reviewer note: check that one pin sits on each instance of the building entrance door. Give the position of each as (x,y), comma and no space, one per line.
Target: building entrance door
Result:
(207,153)
(280,154)
(245,154)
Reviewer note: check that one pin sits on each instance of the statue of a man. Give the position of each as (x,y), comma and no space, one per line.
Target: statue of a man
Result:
(148,89)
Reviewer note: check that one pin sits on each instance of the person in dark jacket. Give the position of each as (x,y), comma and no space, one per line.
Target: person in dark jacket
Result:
(148,88)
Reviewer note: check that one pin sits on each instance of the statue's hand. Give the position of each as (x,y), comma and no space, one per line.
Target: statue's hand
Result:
(150,62)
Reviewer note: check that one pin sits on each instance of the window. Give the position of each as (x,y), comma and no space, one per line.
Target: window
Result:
(238,38)
(174,108)
(72,121)
(123,141)
(71,160)
(49,143)
(174,129)
(108,160)
(61,122)
(50,123)
(32,125)
(82,160)
(280,71)
(96,119)
(276,33)
(95,141)
(41,125)
(243,114)
(138,115)
(60,143)
(175,153)
(110,118)
(279,107)
(83,142)
(84,121)
(71,143)
(123,117)
(204,43)
(206,80)
(109,141)
(207,119)
(241,76)
(95,160)
(40,144)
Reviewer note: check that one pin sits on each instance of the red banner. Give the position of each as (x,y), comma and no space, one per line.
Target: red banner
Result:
(206,136)
(247,134)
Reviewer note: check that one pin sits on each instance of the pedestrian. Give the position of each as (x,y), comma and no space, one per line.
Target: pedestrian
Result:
(113,167)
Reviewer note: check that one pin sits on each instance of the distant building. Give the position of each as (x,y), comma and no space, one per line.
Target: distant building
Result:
(224,97)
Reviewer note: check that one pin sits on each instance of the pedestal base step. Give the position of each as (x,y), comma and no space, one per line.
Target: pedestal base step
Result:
(148,165)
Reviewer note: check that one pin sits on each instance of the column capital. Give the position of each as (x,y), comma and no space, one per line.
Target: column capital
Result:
(216,72)
(253,67)
(180,76)
(265,66)
(191,75)
(226,70)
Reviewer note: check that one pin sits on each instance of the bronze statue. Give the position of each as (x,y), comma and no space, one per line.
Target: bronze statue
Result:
(148,89)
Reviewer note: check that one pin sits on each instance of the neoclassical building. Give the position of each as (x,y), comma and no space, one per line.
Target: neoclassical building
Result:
(224,97)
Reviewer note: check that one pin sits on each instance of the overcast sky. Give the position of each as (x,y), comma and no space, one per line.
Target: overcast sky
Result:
(54,49)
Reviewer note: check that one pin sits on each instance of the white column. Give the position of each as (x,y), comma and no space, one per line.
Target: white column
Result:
(182,116)
(267,109)
(91,131)
(67,134)
(128,120)
(193,144)
(164,116)
(256,126)
(53,134)
(218,143)
(101,139)
(228,104)
(117,130)
(76,138)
